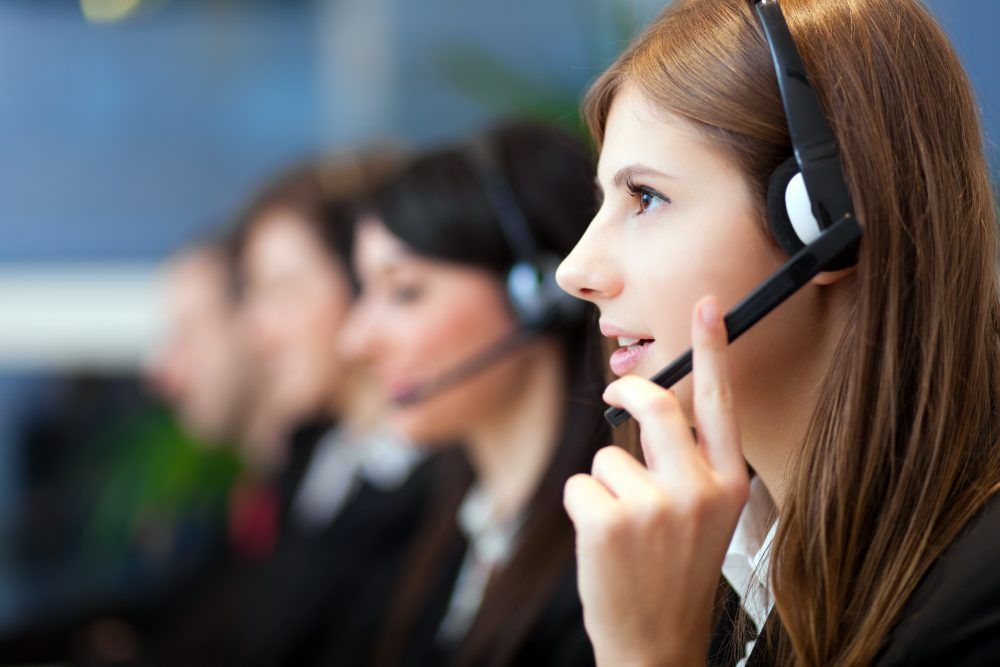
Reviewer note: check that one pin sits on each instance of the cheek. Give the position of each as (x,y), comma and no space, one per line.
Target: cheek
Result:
(216,380)
(435,345)
(305,326)
(269,319)
(439,336)
(319,331)
(449,415)
(300,354)
(726,260)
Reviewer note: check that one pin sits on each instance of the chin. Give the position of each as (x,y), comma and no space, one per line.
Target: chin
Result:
(423,430)
(649,367)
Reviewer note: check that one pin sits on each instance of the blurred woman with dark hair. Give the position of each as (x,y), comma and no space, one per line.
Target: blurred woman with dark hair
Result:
(469,339)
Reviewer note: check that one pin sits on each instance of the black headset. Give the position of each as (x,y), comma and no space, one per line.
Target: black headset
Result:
(538,303)
(807,193)
(808,203)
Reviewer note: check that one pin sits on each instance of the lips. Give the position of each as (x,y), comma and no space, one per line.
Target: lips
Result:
(625,358)
(633,347)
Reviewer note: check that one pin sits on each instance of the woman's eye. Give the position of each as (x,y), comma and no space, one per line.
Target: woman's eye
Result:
(406,294)
(649,201)
(648,198)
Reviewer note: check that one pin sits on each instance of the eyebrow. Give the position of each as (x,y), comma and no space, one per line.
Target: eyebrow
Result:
(633,171)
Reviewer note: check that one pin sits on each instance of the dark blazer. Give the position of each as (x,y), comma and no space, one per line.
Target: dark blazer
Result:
(556,639)
(326,594)
(953,617)
(320,591)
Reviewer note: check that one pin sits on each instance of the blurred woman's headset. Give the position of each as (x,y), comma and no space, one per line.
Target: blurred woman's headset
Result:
(537,301)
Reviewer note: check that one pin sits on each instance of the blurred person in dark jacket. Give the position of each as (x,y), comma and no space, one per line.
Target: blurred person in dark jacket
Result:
(152,515)
(202,367)
(349,494)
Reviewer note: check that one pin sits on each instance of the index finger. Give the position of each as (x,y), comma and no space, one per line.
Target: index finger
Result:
(715,415)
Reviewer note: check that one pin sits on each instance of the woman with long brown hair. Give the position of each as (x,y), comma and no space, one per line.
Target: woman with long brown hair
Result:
(839,463)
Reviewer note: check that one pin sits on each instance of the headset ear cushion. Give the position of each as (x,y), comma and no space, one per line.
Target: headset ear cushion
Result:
(537,300)
(777,209)
(524,292)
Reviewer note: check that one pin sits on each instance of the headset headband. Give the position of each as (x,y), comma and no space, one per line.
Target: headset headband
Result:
(510,217)
(812,137)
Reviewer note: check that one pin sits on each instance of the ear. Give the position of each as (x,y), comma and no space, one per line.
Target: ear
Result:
(825,278)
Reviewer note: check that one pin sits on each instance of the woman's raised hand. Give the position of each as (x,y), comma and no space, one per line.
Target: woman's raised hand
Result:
(651,540)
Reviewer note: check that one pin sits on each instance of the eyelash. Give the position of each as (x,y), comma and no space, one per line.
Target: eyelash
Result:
(639,191)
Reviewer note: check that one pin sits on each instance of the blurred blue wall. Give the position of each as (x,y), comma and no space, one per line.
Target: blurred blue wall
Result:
(123,141)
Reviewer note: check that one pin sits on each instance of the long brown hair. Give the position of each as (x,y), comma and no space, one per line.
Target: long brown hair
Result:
(902,448)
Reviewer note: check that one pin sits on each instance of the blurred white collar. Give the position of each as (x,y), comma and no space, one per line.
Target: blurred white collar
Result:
(340,463)
(490,538)
(491,542)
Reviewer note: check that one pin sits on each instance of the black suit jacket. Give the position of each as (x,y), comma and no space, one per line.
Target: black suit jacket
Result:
(321,591)
(953,617)
(556,638)
(325,594)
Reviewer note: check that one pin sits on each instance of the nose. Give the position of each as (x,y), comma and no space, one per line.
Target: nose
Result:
(588,272)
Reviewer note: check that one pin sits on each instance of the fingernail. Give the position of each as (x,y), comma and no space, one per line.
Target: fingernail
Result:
(709,312)
(604,394)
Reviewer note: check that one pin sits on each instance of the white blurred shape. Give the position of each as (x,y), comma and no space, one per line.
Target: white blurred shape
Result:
(100,316)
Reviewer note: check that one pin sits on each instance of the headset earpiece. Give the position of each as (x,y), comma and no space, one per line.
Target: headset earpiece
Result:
(789,209)
(537,300)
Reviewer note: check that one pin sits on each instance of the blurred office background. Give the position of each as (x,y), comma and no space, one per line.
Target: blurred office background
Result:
(131,127)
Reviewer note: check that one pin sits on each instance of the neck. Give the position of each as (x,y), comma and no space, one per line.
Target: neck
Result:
(355,404)
(511,449)
(773,424)
(769,446)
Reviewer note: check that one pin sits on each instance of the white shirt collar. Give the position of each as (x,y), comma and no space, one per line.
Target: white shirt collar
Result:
(491,542)
(490,538)
(747,563)
(340,463)
(388,461)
